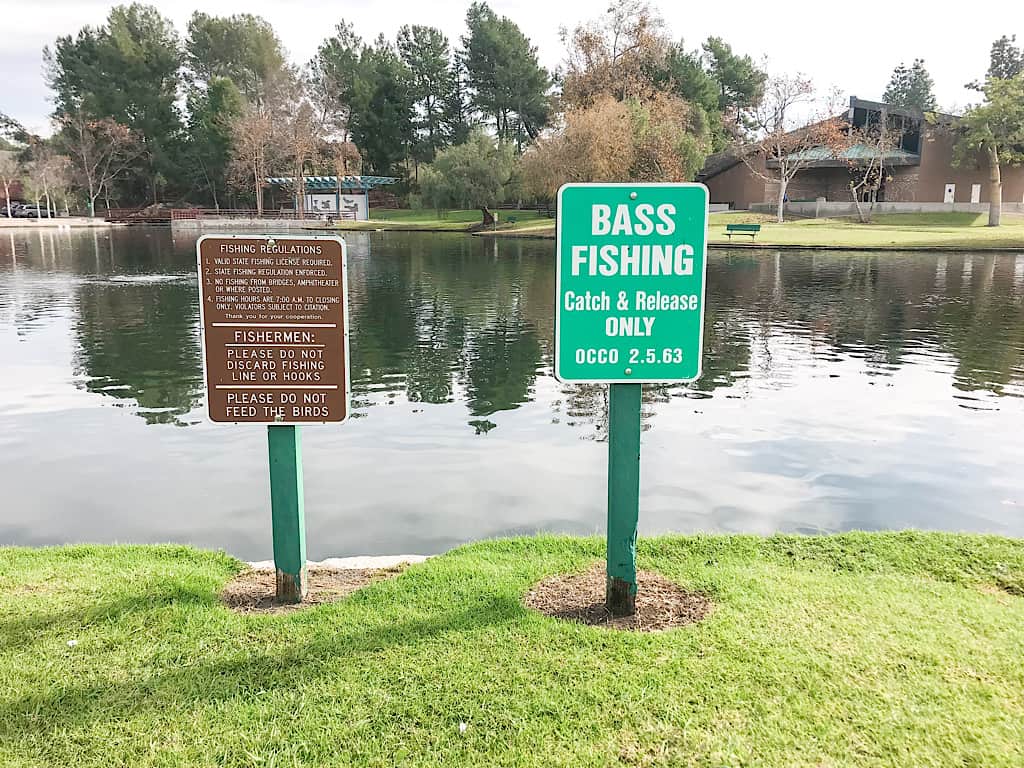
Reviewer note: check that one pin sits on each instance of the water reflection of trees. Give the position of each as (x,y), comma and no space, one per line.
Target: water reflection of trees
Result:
(440,315)
(876,307)
(138,342)
(439,319)
(461,318)
(503,362)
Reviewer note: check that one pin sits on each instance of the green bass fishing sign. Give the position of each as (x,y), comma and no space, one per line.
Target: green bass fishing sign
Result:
(631,275)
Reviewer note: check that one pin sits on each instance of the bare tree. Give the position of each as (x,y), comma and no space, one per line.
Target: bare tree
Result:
(252,135)
(302,138)
(100,151)
(10,172)
(36,182)
(52,173)
(865,155)
(787,144)
(61,181)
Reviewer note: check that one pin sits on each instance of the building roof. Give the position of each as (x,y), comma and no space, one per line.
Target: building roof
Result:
(856,153)
(330,183)
(718,163)
(892,109)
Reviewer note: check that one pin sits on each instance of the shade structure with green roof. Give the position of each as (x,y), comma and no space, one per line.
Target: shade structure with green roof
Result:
(324,194)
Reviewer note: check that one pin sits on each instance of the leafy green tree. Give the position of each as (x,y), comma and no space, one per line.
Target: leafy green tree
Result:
(243,48)
(12,132)
(426,55)
(456,108)
(334,74)
(211,114)
(127,70)
(911,87)
(684,74)
(381,119)
(1006,59)
(506,82)
(476,174)
(366,95)
(740,81)
(994,130)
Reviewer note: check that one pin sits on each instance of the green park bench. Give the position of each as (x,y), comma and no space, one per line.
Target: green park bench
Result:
(742,229)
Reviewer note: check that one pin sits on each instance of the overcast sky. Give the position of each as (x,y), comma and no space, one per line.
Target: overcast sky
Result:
(854,50)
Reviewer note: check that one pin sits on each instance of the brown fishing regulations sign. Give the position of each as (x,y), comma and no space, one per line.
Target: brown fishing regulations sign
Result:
(275,328)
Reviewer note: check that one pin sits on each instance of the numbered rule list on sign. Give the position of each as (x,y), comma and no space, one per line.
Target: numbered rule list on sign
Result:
(274,328)
(631,273)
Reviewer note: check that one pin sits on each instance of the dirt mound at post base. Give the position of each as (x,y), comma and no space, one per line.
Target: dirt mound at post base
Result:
(579,597)
(254,591)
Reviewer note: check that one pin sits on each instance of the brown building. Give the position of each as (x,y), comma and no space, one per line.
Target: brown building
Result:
(919,174)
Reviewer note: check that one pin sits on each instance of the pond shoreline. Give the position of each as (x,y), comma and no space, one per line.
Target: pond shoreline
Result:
(712,244)
(890,232)
(73,222)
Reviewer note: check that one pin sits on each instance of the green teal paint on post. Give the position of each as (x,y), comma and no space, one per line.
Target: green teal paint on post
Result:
(623,496)
(288,511)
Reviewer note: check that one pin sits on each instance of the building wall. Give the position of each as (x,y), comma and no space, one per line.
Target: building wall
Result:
(738,186)
(832,209)
(937,170)
(925,183)
(327,203)
(830,183)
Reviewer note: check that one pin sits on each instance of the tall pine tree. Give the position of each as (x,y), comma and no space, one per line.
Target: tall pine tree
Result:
(911,87)
(127,70)
(506,82)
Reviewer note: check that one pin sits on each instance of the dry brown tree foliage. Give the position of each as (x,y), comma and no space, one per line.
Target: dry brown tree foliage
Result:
(613,140)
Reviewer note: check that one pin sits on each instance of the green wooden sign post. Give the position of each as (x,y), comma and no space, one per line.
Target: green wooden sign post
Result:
(288,511)
(274,317)
(623,495)
(631,266)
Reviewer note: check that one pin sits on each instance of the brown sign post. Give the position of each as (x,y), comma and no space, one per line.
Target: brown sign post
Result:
(275,351)
(274,328)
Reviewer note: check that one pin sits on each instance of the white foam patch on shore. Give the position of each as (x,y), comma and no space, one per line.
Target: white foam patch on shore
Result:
(350,563)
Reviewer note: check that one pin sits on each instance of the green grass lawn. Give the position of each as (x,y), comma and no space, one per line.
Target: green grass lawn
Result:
(893,230)
(853,650)
(453,221)
(897,230)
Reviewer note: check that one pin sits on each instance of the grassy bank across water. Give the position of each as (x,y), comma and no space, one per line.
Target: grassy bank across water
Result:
(903,231)
(449,221)
(853,650)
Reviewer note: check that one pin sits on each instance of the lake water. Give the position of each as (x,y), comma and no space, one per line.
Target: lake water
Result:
(841,391)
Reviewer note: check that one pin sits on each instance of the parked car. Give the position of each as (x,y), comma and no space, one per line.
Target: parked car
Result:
(15,207)
(32,212)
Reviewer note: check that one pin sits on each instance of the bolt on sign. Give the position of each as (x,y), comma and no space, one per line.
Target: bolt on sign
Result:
(631,266)
(274,327)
